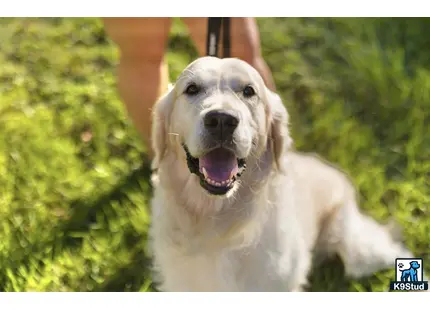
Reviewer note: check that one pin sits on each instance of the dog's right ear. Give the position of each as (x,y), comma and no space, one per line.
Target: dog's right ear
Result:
(160,120)
(279,134)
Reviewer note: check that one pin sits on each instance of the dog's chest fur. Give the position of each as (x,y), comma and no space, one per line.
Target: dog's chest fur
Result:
(263,258)
(258,267)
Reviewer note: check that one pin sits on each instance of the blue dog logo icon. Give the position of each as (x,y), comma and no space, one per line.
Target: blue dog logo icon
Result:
(410,274)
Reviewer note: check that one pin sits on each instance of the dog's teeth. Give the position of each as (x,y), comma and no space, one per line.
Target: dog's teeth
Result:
(231,175)
(205,173)
(215,183)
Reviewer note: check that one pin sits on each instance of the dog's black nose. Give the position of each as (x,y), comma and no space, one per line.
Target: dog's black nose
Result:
(221,124)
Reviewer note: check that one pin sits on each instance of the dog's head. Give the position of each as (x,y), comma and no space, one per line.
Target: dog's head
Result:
(414,264)
(218,119)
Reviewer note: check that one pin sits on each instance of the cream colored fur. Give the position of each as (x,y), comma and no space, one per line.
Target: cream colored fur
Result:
(262,235)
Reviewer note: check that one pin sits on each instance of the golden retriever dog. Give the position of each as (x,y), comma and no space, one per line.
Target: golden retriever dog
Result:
(235,208)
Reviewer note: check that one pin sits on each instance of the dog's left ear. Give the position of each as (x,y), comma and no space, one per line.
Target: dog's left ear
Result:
(279,136)
(160,116)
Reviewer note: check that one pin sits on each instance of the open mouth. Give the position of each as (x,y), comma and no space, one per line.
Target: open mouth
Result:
(218,169)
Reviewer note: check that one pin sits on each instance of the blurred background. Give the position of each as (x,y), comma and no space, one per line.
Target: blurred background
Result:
(74,187)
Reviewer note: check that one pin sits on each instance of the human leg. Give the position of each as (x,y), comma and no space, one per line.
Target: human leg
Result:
(142,71)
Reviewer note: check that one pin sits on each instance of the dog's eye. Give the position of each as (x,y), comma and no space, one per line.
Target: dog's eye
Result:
(192,89)
(248,91)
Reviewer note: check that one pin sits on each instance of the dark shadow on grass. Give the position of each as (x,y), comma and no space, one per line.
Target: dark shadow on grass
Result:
(329,276)
(131,277)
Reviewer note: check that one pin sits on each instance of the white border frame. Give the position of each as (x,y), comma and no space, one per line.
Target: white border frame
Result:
(211,301)
(192,8)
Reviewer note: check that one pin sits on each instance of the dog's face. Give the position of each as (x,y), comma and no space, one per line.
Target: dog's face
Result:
(219,115)
(415,265)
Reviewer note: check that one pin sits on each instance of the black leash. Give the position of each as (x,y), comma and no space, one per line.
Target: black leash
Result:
(214,33)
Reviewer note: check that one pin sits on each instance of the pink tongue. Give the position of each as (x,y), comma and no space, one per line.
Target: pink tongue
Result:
(219,164)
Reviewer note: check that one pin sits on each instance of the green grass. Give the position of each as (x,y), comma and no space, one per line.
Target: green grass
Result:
(74,183)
